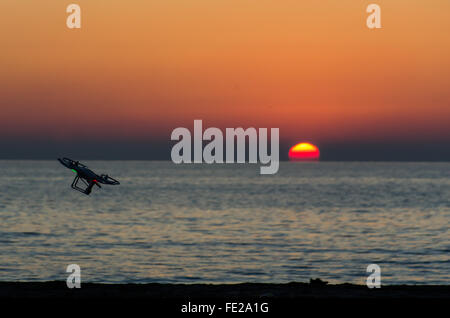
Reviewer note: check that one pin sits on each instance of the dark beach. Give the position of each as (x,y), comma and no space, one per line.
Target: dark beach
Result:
(278,300)
(312,290)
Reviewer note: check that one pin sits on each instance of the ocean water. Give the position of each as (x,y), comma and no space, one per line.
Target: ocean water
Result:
(227,223)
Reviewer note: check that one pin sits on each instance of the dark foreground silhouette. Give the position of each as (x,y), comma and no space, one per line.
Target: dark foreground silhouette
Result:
(316,289)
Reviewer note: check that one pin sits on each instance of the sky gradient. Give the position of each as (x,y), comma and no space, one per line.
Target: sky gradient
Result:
(138,69)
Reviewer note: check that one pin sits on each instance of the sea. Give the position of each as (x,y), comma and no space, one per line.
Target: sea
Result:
(169,223)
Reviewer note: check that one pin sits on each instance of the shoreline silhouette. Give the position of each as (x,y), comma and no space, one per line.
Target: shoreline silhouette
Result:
(315,289)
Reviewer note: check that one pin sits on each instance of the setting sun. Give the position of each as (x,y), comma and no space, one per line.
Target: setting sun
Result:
(304,152)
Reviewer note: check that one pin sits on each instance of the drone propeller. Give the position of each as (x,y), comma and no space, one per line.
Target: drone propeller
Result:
(104,178)
(69,163)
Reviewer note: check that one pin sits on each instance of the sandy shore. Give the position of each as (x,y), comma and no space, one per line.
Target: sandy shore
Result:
(315,290)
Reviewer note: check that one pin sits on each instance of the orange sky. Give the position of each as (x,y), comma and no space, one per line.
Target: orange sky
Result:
(138,69)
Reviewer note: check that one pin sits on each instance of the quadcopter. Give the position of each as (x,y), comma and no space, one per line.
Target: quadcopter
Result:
(86,176)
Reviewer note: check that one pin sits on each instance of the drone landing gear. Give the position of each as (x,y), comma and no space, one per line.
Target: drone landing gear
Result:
(88,186)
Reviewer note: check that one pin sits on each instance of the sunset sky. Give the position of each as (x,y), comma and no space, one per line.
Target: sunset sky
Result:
(138,69)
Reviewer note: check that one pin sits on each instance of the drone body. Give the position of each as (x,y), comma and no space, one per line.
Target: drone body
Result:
(87,176)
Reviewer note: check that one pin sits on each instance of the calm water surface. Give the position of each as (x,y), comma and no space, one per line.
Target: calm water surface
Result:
(227,223)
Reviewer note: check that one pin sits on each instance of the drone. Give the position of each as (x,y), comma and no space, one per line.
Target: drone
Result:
(86,176)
